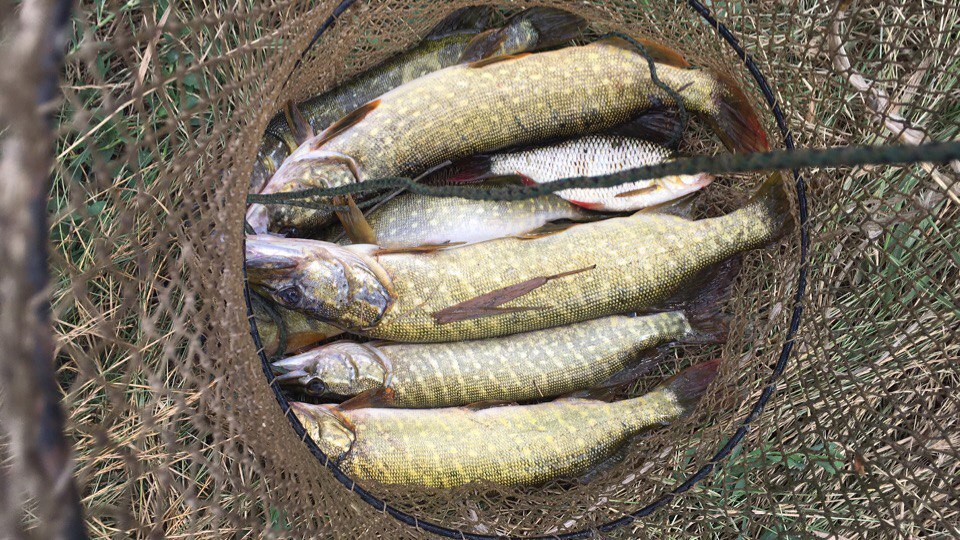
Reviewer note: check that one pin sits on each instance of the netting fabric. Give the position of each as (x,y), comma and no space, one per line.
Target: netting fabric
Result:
(176,430)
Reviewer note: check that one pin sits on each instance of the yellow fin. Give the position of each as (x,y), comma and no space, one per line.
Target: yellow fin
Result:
(354,223)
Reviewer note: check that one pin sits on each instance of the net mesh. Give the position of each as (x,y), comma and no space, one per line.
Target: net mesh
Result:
(176,430)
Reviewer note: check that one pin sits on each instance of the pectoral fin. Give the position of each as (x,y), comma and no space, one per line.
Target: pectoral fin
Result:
(354,223)
(301,129)
(376,398)
(345,123)
(426,248)
(488,305)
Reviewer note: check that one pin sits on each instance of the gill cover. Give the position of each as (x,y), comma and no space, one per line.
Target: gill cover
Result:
(325,281)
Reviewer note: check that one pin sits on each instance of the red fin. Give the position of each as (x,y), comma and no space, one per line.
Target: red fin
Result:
(471,170)
(426,248)
(345,123)
(735,121)
(496,60)
(487,305)
(587,205)
(658,52)
(299,127)
(354,223)
(689,385)
(376,398)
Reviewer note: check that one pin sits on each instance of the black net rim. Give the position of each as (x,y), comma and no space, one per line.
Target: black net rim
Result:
(722,453)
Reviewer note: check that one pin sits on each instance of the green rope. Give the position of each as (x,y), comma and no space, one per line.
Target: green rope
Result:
(674,95)
(851,156)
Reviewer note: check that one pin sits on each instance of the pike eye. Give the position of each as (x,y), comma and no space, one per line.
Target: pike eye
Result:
(316,388)
(290,295)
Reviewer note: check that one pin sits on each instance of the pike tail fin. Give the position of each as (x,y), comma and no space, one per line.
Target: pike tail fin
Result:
(465,20)
(734,120)
(551,27)
(767,214)
(688,386)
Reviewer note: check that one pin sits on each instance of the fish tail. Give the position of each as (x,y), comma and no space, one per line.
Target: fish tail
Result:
(473,18)
(688,386)
(554,26)
(471,170)
(708,322)
(734,120)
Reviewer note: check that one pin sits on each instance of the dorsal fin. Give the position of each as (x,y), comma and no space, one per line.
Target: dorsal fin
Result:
(496,60)
(658,52)
(345,123)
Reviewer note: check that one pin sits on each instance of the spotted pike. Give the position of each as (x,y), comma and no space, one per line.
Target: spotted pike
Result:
(504,101)
(301,331)
(411,220)
(460,37)
(512,445)
(596,155)
(521,367)
(510,285)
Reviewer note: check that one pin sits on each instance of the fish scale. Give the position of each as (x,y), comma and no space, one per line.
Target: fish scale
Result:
(412,220)
(521,367)
(638,262)
(514,101)
(596,156)
(452,447)
(620,265)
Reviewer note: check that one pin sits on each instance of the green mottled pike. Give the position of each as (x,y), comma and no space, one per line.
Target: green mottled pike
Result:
(521,367)
(446,45)
(513,445)
(505,101)
(302,331)
(411,220)
(620,265)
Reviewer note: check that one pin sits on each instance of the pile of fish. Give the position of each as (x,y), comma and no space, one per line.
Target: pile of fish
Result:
(476,333)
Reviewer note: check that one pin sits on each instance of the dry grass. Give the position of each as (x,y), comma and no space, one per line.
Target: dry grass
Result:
(860,442)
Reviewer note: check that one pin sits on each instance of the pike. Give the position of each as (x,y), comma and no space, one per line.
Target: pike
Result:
(510,285)
(460,37)
(509,445)
(498,102)
(410,220)
(521,367)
